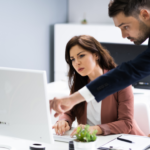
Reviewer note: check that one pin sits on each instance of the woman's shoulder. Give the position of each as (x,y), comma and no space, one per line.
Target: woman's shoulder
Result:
(125,94)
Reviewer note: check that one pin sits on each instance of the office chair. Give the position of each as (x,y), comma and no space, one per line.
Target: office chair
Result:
(142,116)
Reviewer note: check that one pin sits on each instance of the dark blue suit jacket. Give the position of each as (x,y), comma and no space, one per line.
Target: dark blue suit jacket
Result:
(122,76)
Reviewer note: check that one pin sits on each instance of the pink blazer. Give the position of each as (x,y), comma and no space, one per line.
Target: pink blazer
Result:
(117,112)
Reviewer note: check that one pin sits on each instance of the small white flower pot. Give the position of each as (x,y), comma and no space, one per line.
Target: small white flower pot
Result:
(78,145)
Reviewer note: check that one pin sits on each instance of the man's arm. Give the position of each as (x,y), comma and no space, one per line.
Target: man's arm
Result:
(122,76)
(116,79)
(64,104)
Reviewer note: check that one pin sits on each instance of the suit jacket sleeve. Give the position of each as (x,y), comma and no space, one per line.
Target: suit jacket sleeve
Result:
(124,123)
(122,76)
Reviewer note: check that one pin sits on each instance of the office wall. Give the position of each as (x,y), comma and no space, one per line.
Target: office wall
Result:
(26,33)
(96,11)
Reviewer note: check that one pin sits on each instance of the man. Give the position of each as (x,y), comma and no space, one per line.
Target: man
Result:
(133,18)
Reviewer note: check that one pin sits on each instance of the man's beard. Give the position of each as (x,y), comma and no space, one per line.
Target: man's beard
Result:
(144,33)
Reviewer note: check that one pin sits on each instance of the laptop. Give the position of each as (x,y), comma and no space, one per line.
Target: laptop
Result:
(24,105)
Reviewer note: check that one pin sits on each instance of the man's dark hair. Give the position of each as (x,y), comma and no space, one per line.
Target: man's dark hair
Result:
(128,7)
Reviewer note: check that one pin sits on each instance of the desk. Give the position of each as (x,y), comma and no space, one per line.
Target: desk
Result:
(20,144)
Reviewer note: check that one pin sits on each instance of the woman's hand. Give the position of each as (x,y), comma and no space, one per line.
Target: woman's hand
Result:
(149,135)
(61,127)
(91,129)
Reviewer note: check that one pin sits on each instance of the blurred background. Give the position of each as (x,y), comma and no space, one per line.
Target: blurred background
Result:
(27,29)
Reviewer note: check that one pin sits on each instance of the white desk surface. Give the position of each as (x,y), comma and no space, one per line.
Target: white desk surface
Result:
(20,144)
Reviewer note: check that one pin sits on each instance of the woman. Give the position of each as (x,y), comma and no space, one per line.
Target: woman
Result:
(87,60)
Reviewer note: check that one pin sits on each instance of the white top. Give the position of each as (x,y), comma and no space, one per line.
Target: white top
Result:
(93,113)
(93,107)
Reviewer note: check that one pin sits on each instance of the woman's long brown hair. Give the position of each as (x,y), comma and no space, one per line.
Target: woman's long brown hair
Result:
(76,81)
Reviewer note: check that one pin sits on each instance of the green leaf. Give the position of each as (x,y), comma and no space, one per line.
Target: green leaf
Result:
(87,127)
(78,129)
(85,135)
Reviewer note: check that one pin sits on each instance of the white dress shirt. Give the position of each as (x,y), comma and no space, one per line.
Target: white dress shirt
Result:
(86,94)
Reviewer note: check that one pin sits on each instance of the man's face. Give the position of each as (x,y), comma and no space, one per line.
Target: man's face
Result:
(132,28)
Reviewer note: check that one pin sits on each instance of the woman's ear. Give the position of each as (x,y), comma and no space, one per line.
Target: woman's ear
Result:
(96,57)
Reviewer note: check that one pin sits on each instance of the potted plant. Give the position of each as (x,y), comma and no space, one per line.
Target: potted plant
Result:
(85,139)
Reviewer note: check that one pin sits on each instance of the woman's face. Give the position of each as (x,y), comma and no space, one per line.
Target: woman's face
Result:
(83,61)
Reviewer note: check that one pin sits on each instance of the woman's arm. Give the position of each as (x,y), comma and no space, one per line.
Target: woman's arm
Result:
(124,122)
(64,123)
(68,116)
